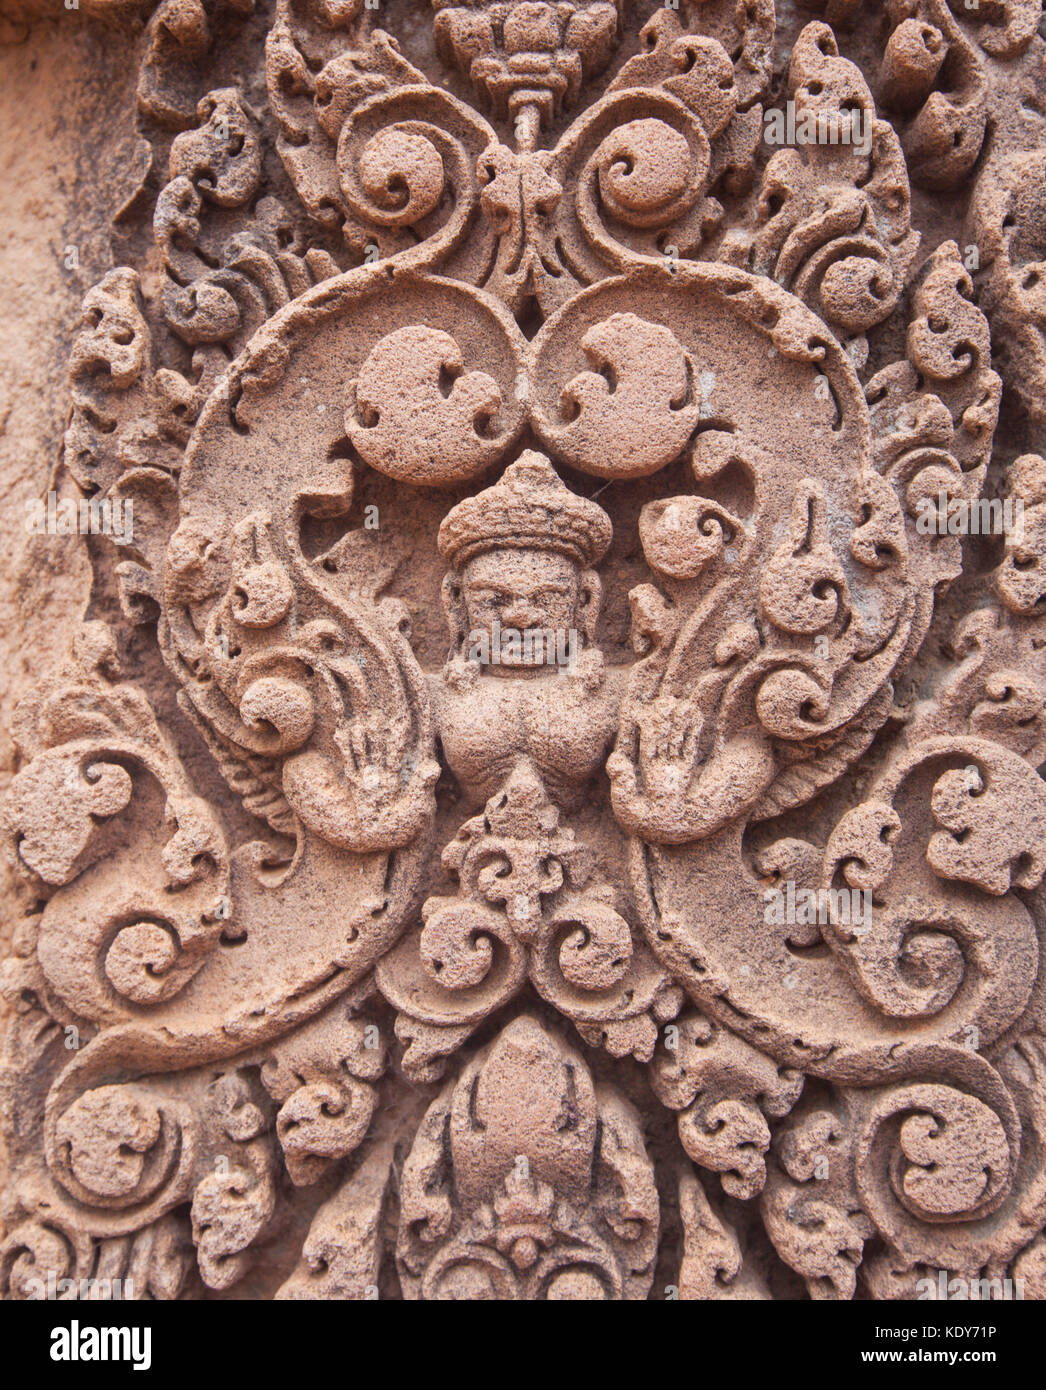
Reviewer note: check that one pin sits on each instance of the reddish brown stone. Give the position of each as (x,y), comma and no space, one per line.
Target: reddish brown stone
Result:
(524,776)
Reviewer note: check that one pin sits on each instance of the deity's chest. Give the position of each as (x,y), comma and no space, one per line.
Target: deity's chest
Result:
(563,728)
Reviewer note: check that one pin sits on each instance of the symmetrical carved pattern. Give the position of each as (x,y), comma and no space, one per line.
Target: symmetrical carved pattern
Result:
(703,860)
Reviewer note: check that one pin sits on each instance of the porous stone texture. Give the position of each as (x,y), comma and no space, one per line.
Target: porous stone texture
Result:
(525,633)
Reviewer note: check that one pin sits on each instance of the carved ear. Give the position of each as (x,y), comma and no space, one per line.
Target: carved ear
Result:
(454,607)
(589,603)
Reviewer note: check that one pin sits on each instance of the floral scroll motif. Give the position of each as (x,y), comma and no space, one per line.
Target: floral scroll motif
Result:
(556,798)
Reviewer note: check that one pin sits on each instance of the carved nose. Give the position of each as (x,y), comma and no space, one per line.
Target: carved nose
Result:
(518,614)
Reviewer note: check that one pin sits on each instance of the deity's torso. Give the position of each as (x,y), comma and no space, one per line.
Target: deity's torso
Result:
(557,721)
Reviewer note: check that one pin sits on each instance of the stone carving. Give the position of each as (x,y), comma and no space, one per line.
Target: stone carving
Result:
(528,905)
(549,783)
(553,1193)
(834,218)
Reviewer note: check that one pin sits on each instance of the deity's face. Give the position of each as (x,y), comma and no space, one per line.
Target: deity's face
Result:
(526,591)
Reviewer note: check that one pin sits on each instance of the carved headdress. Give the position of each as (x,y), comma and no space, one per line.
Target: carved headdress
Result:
(529,507)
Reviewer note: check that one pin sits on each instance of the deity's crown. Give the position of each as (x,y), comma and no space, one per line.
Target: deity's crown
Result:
(528,508)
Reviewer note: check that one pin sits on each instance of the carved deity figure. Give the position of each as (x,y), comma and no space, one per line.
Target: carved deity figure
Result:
(526,712)
(525,685)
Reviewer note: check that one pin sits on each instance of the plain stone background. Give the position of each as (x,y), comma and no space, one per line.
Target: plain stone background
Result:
(66,128)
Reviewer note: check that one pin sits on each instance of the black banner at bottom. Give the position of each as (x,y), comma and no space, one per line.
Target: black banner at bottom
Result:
(317,1340)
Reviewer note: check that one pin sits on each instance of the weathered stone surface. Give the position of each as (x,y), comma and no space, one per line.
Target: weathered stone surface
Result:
(525,629)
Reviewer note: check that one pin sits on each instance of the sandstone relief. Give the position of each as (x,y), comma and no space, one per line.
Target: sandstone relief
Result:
(542,796)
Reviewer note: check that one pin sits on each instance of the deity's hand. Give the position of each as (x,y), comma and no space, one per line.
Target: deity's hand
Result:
(669,743)
(377,773)
(372,798)
(663,791)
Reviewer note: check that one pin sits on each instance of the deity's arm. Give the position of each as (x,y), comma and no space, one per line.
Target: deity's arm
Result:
(662,792)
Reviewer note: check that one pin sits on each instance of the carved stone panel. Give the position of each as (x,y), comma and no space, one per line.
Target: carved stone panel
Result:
(538,790)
